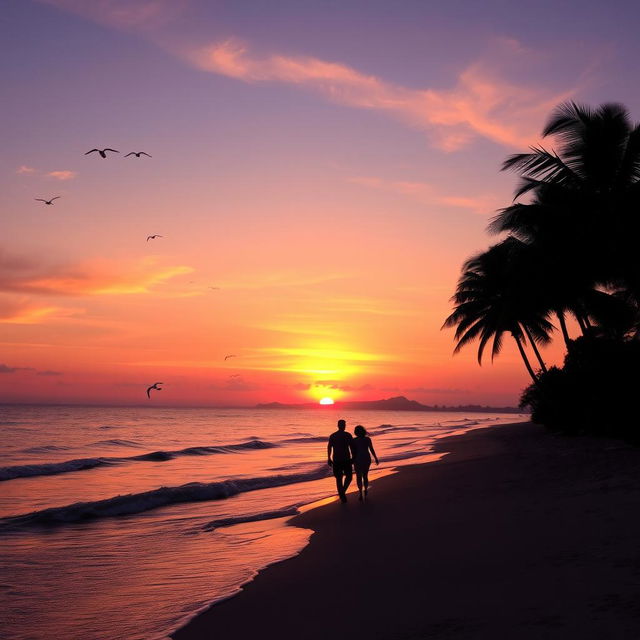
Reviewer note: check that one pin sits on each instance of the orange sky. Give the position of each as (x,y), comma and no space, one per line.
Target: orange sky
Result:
(328,192)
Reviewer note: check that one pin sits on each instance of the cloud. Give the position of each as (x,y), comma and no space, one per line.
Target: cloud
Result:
(435,390)
(22,311)
(7,369)
(26,276)
(62,175)
(236,385)
(480,104)
(123,14)
(339,386)
(427,194)
(23,169)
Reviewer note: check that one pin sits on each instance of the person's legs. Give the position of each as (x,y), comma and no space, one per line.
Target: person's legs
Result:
(337,472)
(359,482)
(365,479)
(348,476)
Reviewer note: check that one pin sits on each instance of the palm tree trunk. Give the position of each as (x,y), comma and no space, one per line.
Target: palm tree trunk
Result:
(534,346)
(581,323)
(524,358)
(563,328)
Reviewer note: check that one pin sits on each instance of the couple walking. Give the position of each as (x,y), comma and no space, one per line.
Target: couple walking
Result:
(348,451)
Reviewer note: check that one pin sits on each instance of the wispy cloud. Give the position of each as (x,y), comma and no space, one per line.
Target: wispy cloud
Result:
(124,14)
(428,194)
(23,311)
(93,278)
(481,101)
(4,368)
(480,104)
(435,390)
(62,175)
(23,169)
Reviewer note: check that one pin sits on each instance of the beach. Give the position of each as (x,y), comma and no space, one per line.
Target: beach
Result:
(515,533)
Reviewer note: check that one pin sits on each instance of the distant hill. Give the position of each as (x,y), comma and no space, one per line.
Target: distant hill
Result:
(398,403)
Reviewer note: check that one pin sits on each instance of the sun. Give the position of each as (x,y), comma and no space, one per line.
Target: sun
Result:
(326,400)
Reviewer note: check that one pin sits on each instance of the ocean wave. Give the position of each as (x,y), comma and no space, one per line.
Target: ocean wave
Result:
(45,449)
(255,517)
(117,442)
(50,469)
(82,464)
(134,503)
(307,439)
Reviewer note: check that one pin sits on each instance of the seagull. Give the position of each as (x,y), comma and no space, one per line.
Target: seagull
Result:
(229,356)
(154,237)
(102,152)
(47,201)
(154,386)
(215,288)
(137,154)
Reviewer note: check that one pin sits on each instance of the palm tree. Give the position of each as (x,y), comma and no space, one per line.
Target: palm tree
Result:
(584,213)
(492,299)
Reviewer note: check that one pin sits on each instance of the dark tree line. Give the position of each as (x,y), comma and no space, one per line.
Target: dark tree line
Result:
(570,251)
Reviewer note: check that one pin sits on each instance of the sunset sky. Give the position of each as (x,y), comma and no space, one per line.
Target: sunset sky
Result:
(327,165)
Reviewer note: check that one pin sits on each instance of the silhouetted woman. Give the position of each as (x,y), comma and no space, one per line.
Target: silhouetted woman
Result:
(361,446)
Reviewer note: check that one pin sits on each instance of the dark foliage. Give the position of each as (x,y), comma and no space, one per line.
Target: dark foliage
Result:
(595,392)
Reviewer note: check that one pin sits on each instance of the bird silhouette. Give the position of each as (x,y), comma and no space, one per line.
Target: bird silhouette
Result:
(153,237)
(154,386)
(102,152)
(47,201)
(215,288)
(229,356)
(137,154)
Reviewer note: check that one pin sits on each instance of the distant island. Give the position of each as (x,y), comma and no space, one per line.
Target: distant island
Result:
(398,403)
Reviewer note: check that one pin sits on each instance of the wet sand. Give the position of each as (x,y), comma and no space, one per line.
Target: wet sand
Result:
(515,534)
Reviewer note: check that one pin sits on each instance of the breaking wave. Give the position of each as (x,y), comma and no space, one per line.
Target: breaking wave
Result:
(139,502)
(81,464)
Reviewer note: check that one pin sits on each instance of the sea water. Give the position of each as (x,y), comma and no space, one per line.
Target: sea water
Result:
(123,523)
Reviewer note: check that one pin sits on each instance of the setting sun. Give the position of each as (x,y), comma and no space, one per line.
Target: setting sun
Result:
(326,401)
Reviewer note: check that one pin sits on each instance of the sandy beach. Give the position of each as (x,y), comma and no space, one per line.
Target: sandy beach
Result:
(516,533)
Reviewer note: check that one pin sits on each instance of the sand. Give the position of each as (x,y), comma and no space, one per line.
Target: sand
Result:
(516,534)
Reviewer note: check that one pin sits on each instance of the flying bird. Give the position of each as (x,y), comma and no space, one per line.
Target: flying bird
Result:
(102,152)
(229,356)
(153,237)
(235,375)
(137,154)
(47,201)
(154,386)
(215,288)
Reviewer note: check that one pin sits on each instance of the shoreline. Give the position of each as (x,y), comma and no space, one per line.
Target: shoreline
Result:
(516,533)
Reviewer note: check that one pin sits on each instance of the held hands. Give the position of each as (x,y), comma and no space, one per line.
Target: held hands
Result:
(329,462)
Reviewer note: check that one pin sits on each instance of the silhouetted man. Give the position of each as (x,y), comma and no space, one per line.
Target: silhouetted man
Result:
(340,443)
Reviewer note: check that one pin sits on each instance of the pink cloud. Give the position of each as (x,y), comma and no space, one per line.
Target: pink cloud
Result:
(429,195)
(480,104)
(23,169)
(25,276)
(62,175)
(22,311)
(123,14)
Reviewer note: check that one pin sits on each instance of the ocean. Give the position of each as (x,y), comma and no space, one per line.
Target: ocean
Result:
(122,523)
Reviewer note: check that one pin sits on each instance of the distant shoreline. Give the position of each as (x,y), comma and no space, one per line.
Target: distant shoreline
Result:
(363,405)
